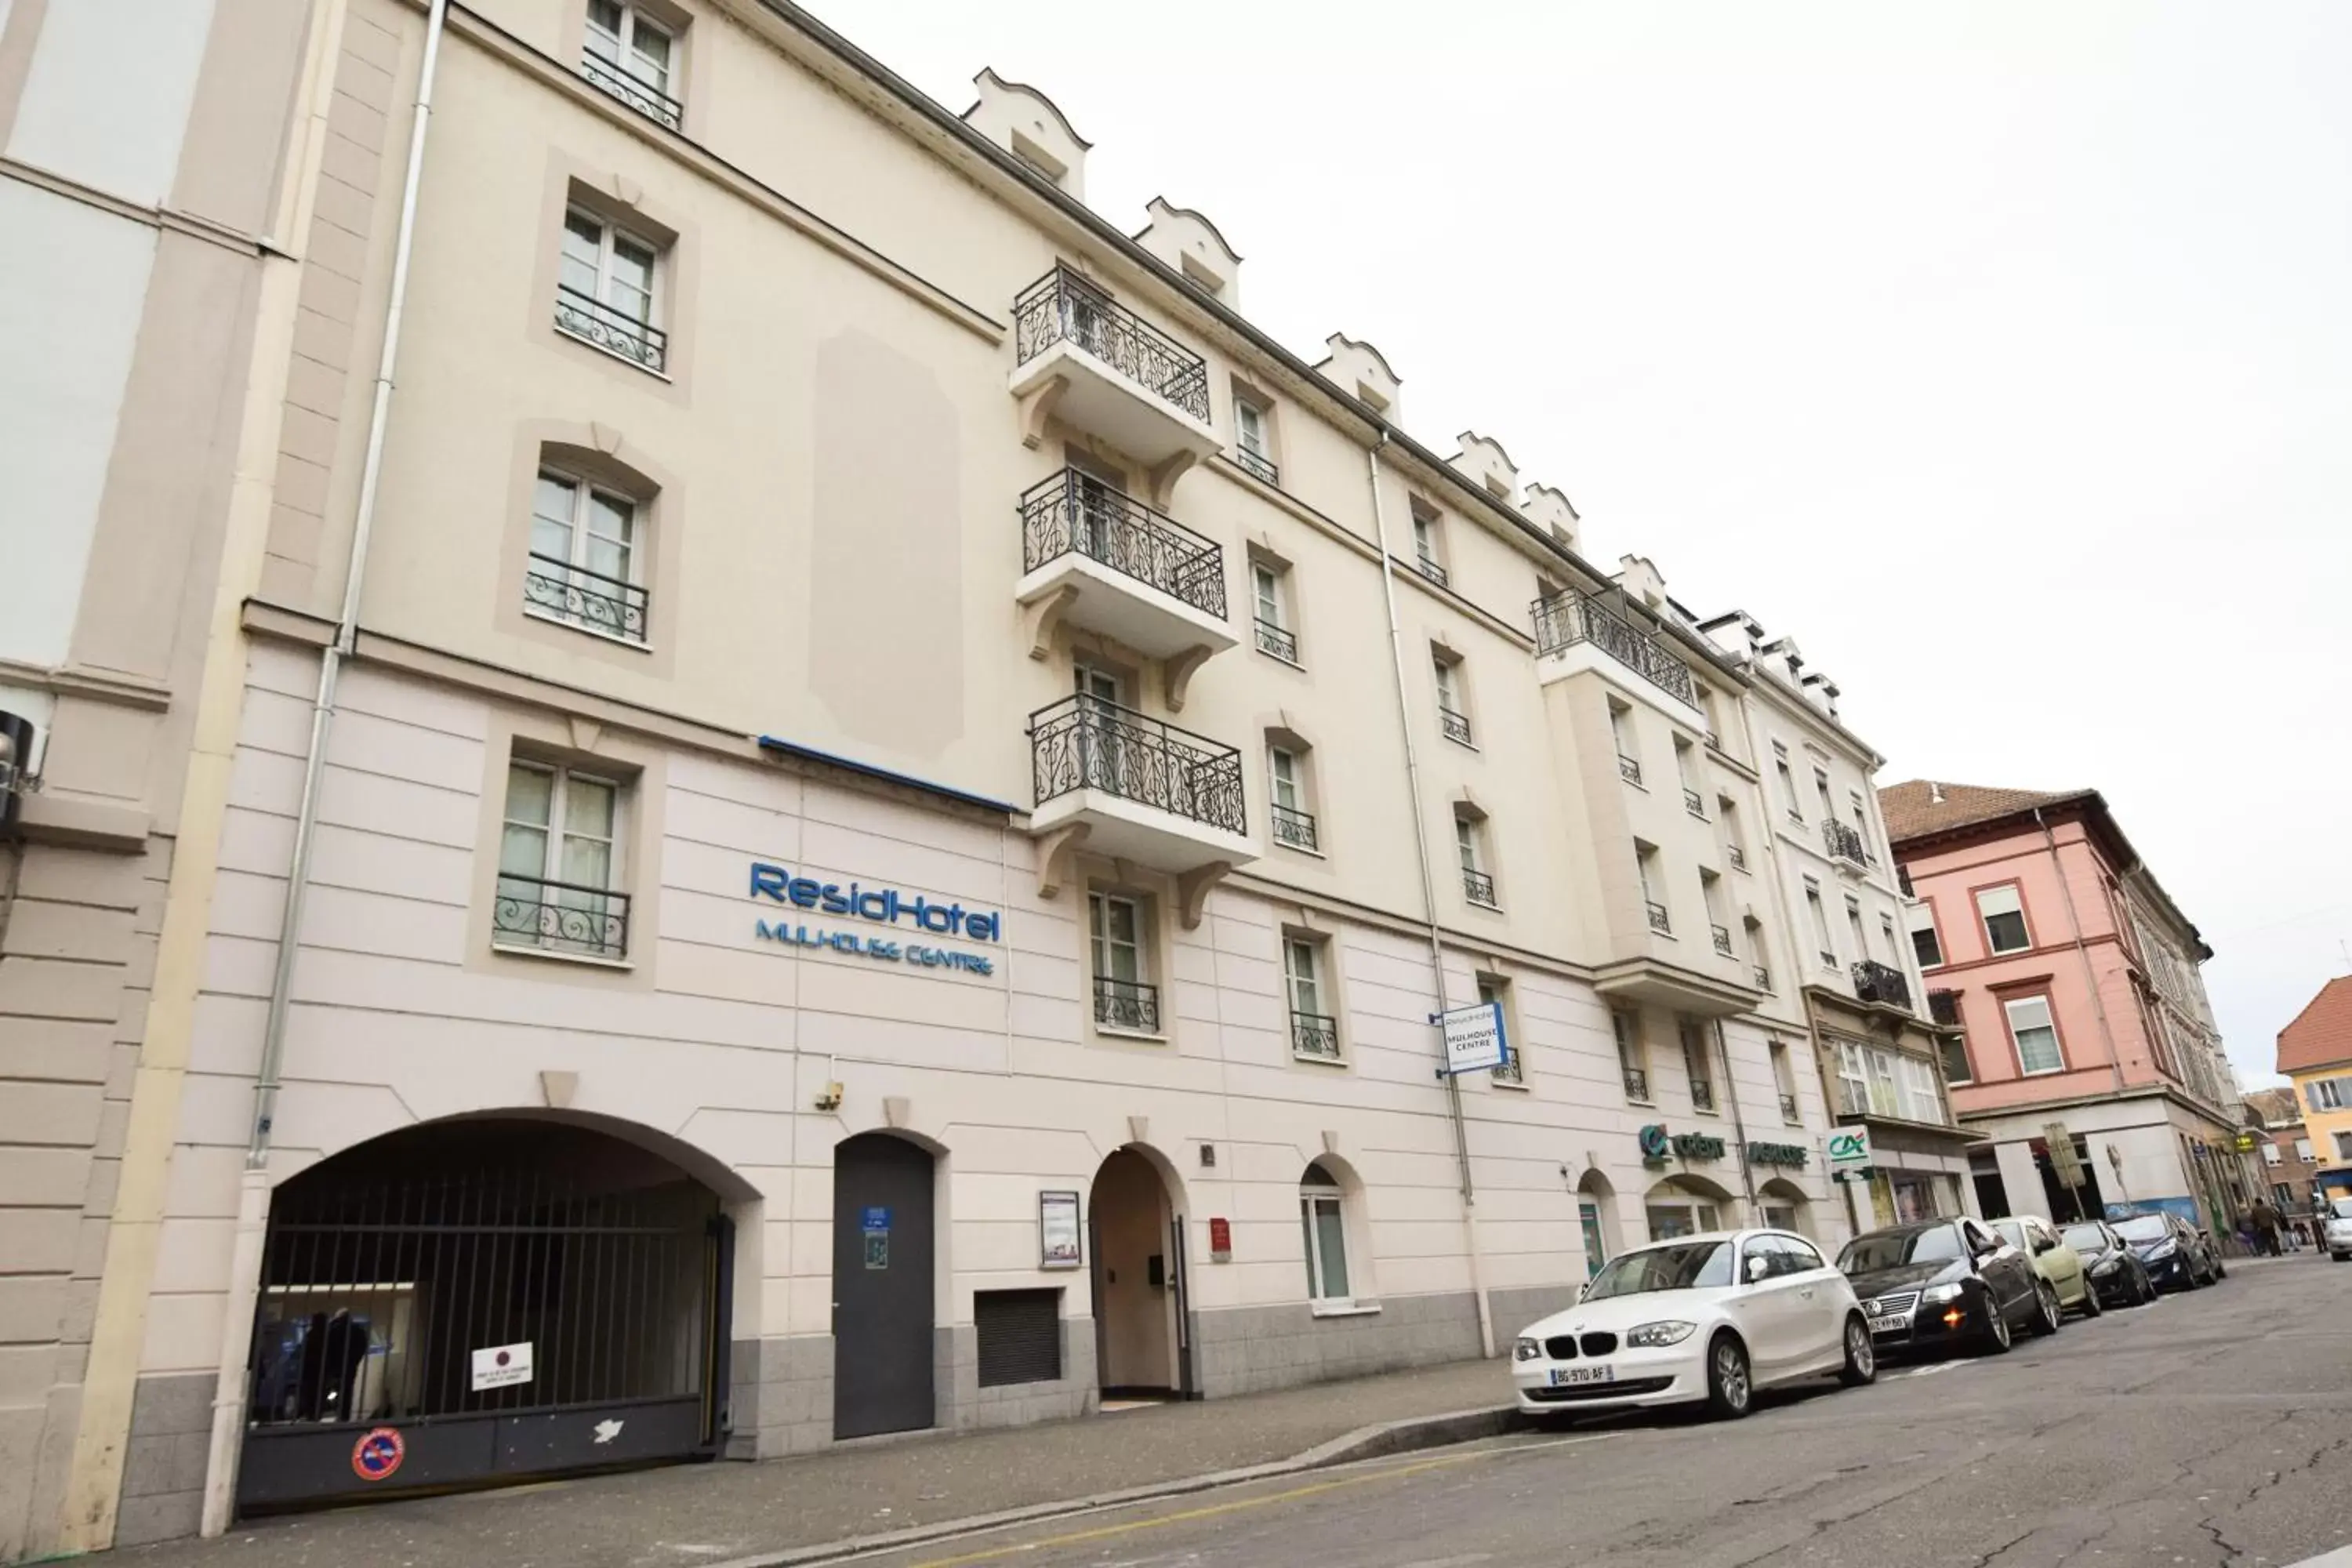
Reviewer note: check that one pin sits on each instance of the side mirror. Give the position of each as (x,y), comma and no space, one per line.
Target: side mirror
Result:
(2045,1245)
(1758,1266)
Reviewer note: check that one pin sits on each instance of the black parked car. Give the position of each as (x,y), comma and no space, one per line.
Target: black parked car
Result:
(2110,1265)
(1947,1282)
(2177,1254)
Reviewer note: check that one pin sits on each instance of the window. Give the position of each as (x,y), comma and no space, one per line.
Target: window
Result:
(2344,1145)
(1854,928)
(1861,824)
(1629,754)
(1253,440)
(2303,1149)
(2329,1093)
(605,289)
(1759,951)
(1693,1035)
(585,558)
(1294,824)
(1469,842)
(1426,541)
(1922,1101)
(1693,802)
(1726,814)
(1710,893)
(1645,870)
(633,57)
(559,883)
(1313,1032)
(1821,788)
(1495,991)
(1924,942)
(2004,914)
(1788,783)
(2035,1032)
(1323,1217)
(1854,1082)
(1820,916)
(1125,998)
(1952,1051)
(2270,1153)
(1633,1057)
(1451,718)
(1884,1098)
(1267,591)
(1784,1079)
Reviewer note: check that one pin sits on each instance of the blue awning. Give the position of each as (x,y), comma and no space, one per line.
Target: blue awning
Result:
(850,765)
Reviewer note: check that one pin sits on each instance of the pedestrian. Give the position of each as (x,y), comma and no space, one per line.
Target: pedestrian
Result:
(2266,1225)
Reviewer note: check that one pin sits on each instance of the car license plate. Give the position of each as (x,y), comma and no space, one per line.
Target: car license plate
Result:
(1564,1376)
(1889,1325)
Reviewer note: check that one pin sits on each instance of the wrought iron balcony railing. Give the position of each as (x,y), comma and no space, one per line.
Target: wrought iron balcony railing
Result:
(1694,804)
(1129,1005)
(1763,978)
(591,321)
(1432,570)
(1258,467)
(1062,307)
(1479,889)
(1314,1035)
(1842,842)
(1628,769)
(1735,855)
(585,598)
(1788,1109)
(1456,726)
(1071,513)
(647,100)
(1564,618)
(1084,743)
(1658,920)
(560,917)
(1511,1071)
(1944,1007)
(1702,1095)
(1296,828)
(1278,641)
(1876,982)
(1722,940)
(1637,1084)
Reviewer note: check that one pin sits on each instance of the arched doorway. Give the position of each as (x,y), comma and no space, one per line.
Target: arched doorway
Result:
(1783,1205)
(1142,1340)
(882,1274)
(482,1301)
(1596,1218)
(1686,1205)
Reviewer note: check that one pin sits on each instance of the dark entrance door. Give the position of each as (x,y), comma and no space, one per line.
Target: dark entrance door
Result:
(882,1277)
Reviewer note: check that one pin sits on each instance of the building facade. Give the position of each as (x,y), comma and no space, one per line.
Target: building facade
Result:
(2072,980)
(2287,1154)
(851,810)
(2315,1052)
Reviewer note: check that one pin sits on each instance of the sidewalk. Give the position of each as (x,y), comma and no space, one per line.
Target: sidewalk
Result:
(717,1513)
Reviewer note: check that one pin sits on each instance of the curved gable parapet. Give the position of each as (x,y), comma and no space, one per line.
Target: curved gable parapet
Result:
(1190,243)
(1549,508)
(1483,462)
(1027,124)
(1360,371)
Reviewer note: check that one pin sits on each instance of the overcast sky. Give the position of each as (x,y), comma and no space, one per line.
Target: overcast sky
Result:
(2000,353)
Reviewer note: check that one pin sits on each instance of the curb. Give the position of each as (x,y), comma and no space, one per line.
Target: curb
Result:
(1377,1441)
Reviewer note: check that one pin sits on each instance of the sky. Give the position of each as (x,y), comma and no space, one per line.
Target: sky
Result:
(2000,353)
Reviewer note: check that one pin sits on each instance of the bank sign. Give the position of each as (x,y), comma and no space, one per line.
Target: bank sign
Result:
(876,906)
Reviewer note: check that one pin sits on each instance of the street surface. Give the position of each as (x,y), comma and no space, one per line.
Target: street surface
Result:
(2212,1429)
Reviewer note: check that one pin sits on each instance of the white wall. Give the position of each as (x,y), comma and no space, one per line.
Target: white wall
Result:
(106,101)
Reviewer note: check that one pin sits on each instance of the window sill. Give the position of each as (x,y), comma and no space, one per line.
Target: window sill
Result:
(1644,1104)
(1710,1115)
(638,365)
(1341,1308)
(1139,1036)
(1296,849)
(1285,663)
(1320,1061)
(520,950)
(1466,745)
(1475,904)
(571,626)
(1516,1085)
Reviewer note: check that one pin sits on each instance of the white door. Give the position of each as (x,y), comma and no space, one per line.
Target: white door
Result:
(1821,1296)
(1769,1309)
(1102,737)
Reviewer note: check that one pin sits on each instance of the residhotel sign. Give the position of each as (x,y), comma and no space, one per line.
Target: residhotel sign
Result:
(876,906)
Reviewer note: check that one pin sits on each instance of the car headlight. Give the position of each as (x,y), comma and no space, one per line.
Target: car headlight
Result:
(2107,1265)
(1526,1350)
(1935,1295)
(2162,1250)
(1649,1336)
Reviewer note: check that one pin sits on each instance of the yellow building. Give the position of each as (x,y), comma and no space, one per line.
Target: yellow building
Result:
(2316,1051)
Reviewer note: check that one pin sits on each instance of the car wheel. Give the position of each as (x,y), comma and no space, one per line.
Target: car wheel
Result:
(1996,1337)
(1861,1355)
(2046,1313)
(1729,1388)
(2146,1289)
(2092,1305)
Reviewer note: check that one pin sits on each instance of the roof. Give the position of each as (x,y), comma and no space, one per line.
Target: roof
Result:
(2276,1106)
(1918,808)
(2322,1033)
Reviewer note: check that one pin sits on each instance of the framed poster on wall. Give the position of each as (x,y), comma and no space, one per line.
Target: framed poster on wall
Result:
(1058,1231)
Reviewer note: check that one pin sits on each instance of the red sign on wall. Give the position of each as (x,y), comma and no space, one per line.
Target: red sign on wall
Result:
(1220,1241)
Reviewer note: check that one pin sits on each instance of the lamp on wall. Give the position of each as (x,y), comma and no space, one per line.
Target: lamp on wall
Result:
(16,736)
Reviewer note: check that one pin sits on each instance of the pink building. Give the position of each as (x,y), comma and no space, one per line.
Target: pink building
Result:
(2071,980)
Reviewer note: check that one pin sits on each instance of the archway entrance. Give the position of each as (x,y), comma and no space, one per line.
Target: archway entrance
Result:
(479,1301)
(1686,1205)
(1785,1206)
(1142,1340)
(882,1285)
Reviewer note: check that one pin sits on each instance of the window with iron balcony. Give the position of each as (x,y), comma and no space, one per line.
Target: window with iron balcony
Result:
(1064,308)
(633,58)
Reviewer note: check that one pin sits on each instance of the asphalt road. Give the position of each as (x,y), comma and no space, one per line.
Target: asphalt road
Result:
(2215,1428)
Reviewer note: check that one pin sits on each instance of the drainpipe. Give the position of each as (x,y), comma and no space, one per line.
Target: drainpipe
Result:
(1428,892)
(1738,1124)
(252,1204)
(2082,949)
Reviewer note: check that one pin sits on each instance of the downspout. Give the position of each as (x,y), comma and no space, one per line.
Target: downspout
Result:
(252,1204)
(2082,949)
(1738,1124)
(1428,892)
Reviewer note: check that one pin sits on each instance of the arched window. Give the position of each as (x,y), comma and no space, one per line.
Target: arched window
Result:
(1323,1219)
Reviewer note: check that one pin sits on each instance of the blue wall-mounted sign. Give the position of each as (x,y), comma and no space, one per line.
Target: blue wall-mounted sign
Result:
(882,905)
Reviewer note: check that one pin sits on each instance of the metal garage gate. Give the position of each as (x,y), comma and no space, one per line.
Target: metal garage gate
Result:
(477,1301)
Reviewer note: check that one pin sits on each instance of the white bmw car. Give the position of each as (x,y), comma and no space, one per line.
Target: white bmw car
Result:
(1706,1319)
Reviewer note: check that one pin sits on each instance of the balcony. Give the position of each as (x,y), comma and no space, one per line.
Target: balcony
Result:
(1128,1005)
(1277,642)
(1099,367)
(589,600)
(1637,1085)
(1944,1007)
(1143,790)
(560,917)
(1564,623)
(593,322)
(1702,1094)
(1722,940)
(1658,920)
(1763,978)
(642,96)
(1479,889)
(1694,804)
(1456,726)
(1314,1035)
(1881,984)
(1296,828)
(1735,855)
(1432,570)
(1788,1109)
(1844,843)
(1629,770)
(1094,557)
(1257,465)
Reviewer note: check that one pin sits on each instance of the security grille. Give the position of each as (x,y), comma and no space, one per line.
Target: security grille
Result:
(1019,1335)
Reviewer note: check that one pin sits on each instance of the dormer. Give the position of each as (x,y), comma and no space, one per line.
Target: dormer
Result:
(1484,463)
(1822,691)
(1549,510)
(1642,583)
(1358,370)
(1191,244)
(1737,633)
(1781,657)
(1024,122)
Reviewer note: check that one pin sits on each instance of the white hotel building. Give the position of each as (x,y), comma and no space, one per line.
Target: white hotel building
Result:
(900,789)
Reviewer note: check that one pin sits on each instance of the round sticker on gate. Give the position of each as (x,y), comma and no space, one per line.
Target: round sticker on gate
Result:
(377,1455)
